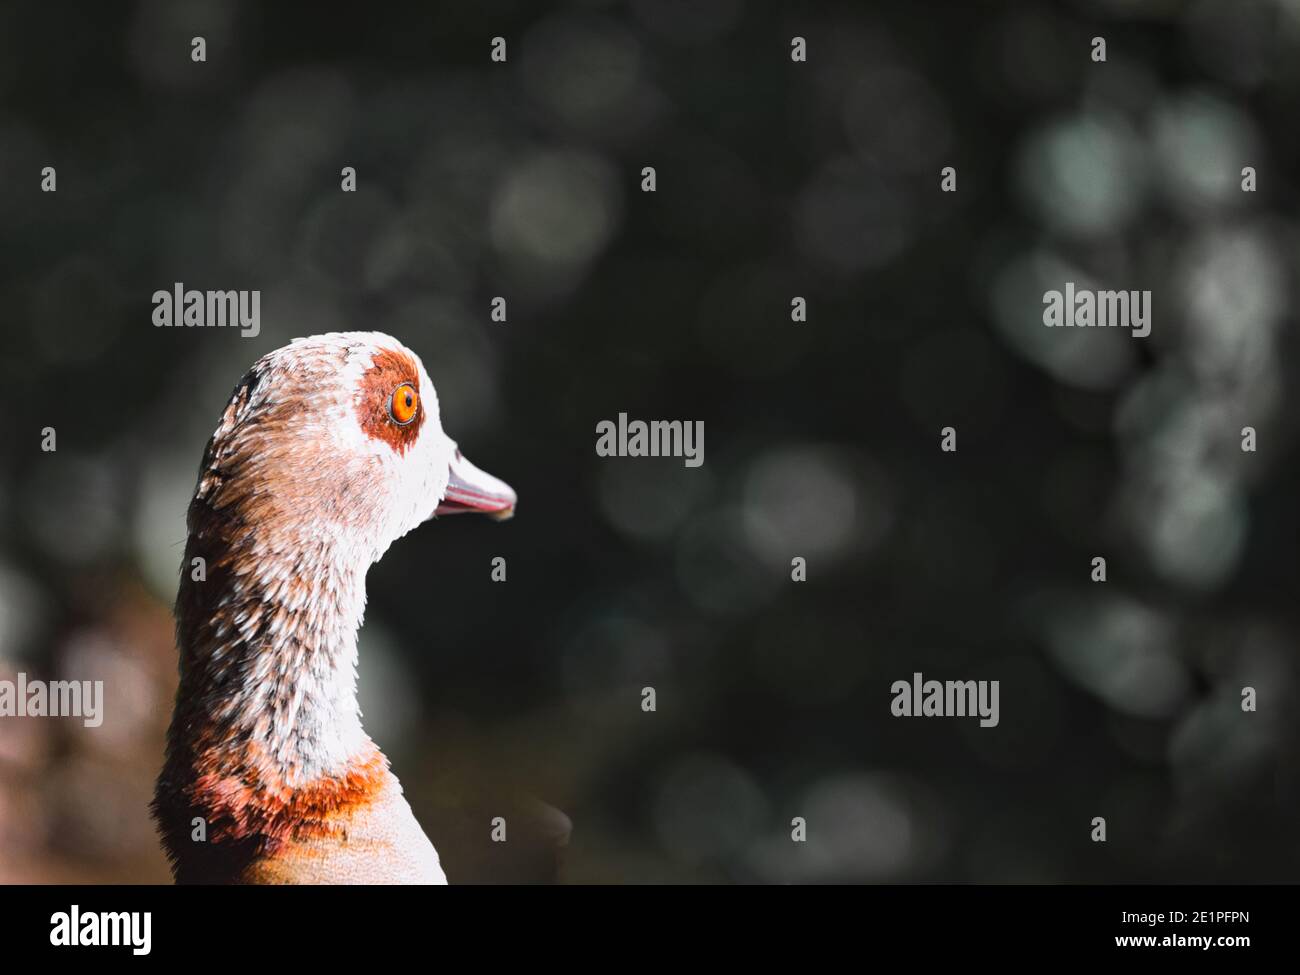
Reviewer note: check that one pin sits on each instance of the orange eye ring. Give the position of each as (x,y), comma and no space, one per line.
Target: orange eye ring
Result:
(404,404)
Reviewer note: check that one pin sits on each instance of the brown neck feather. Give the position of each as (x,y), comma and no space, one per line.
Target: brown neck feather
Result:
(265,741)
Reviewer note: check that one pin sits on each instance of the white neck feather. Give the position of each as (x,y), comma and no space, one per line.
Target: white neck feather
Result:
(271,661)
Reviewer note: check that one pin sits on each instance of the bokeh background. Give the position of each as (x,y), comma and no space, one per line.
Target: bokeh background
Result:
(775,179)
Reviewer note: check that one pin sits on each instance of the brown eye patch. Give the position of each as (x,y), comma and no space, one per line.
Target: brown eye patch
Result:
(389,401)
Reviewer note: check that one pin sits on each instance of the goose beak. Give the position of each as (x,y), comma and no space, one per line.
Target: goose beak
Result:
(470,489)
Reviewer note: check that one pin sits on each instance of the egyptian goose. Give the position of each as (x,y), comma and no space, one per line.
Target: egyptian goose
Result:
(329,450)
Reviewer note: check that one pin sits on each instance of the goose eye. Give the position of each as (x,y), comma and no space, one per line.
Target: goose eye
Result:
(403,404)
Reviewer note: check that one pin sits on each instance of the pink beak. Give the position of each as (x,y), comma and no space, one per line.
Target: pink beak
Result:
(470,489)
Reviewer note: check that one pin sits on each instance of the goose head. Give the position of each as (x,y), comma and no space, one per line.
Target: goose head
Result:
(336,441)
